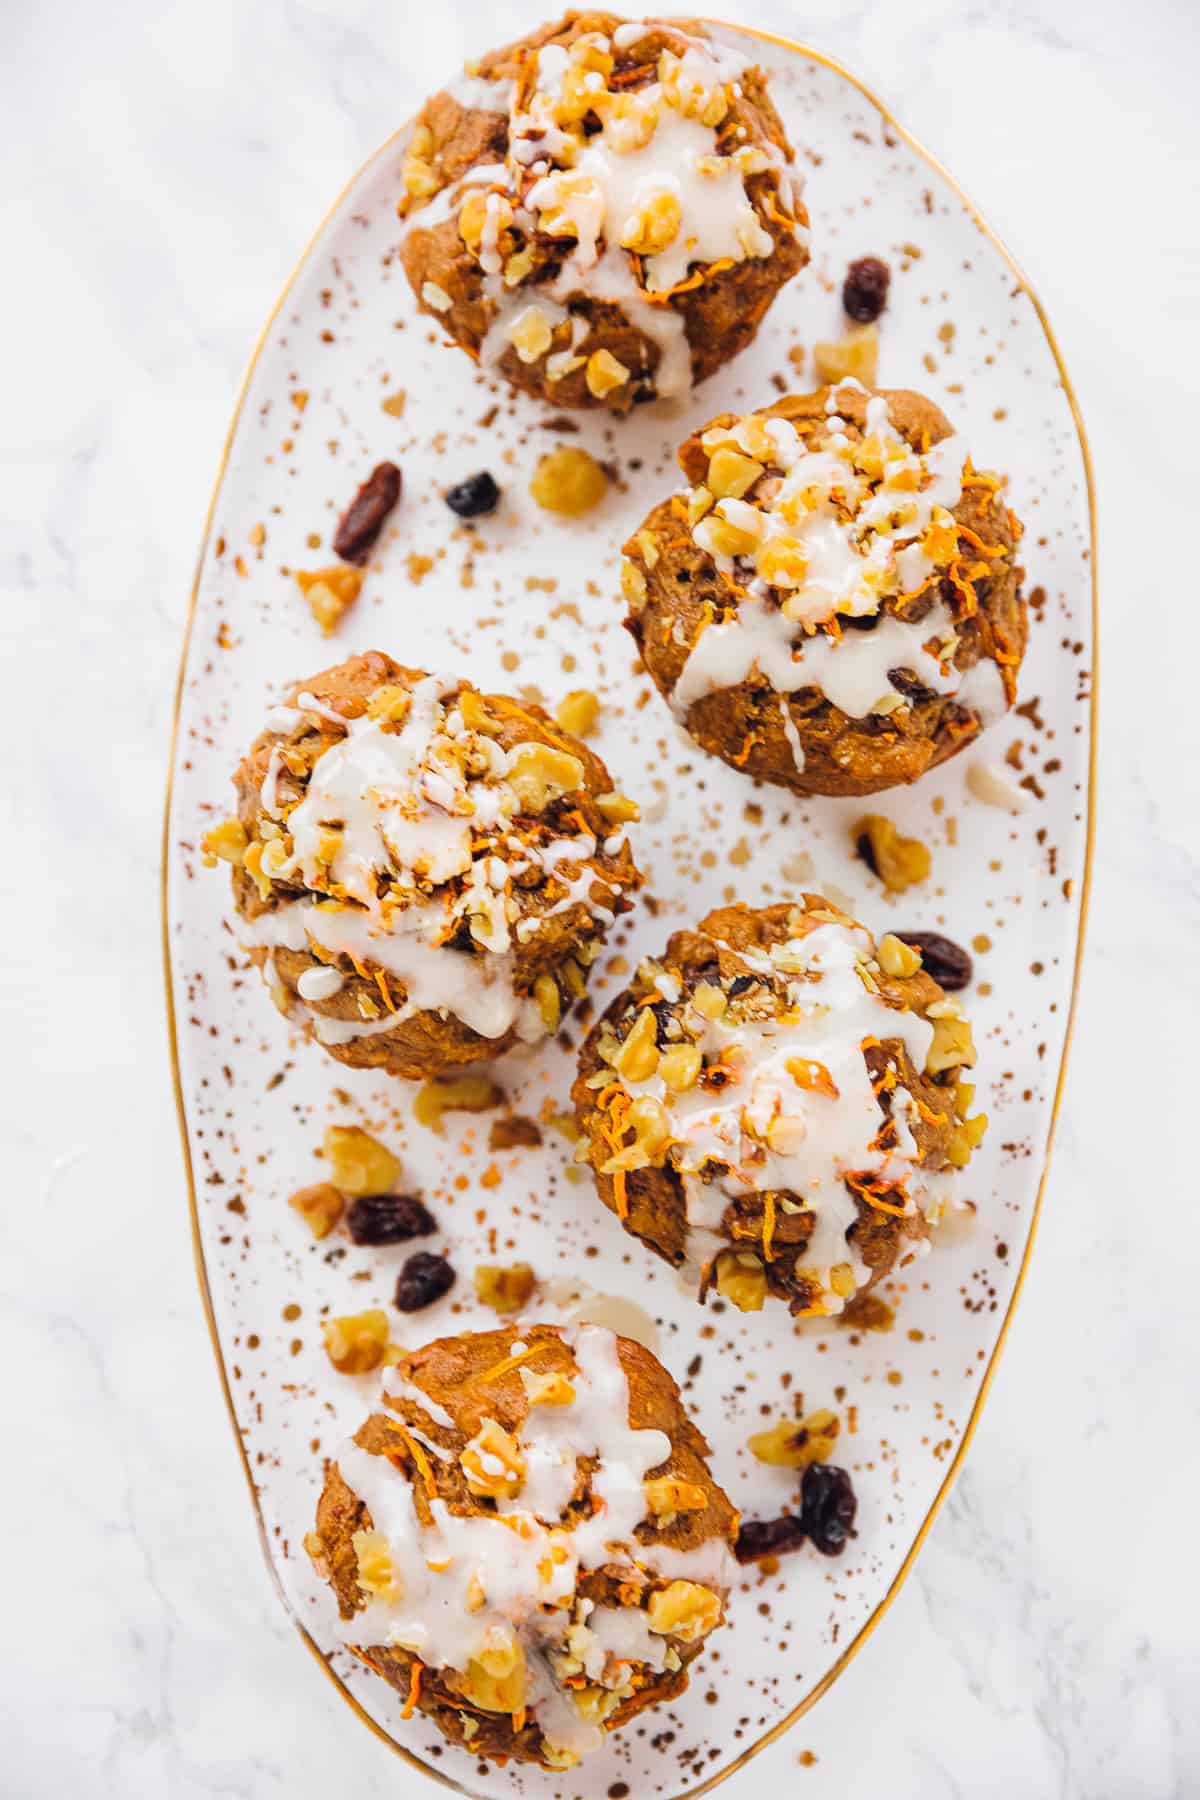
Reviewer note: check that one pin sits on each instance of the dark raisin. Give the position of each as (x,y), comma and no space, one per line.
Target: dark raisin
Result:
(949,964)
(423,1279)
(740,983)
(865,289)
(663,1012)
(859,621)
(768,1537)
(827,1507)
(366,515)
(865,851)
(388,1219)
(476,495)
(906,683)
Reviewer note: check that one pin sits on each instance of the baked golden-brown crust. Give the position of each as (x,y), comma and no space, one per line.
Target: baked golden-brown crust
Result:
(756,1228)
(718,307)
(555,918)
(676,589)
(473,1379)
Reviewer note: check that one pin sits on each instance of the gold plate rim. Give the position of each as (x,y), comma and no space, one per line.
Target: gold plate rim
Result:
(858,1641)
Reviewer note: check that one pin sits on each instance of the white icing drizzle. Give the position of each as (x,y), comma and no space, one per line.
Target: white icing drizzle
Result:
(763,1132)
(320,984)
(480,93)
(528,1576)
(839,528)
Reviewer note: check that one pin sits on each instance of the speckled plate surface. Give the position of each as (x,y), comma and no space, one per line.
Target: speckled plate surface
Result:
(529,603)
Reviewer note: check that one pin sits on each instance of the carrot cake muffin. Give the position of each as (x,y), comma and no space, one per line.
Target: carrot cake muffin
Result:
(833,602)
(424,873)
(603,211)
(777,1104)
(527,1542)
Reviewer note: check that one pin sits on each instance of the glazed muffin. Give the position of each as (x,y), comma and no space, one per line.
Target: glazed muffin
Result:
(527,1544)
(424,873)
(604,211)
(777,1105)
(833,603)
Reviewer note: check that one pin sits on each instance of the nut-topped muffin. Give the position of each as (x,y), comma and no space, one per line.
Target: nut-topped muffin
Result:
(603,211)
(527,1543)
(833,604)
(777,1104)
(424,873)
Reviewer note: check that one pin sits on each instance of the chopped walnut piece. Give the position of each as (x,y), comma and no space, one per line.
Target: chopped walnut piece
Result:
(617,809)
(680,1067)
(741,1279)
(321,1207)
(531,334)
(653,225)
(899,862)
(953,1046)
(494,1680)
(604,374)
(549,1001)
(633,585)
(330,593)
(668,1495)
(896,958)
(568,481)
(794,1443)
(377,1575)
(539,774)
(389,705)
(355,1343)
(547,1387)
(492,1463)
(226,842)
(637,1058)
(420,178)
(683,1609)
(504,1289)
(577,712)
(358,1163)
(854,358)
(730,474)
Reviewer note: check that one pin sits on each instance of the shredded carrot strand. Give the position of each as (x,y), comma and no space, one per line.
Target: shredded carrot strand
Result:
(511,1362)
(419,1457)
(768,1224)
(414,1689)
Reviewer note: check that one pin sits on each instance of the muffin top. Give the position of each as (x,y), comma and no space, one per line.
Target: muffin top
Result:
(389,813)
(635,164)
(833,520)
(542,1525)
(789,1075)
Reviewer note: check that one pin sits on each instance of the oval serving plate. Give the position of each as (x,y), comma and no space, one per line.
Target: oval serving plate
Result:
(530,604)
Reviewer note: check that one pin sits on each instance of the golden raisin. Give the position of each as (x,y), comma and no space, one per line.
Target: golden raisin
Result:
(568,481)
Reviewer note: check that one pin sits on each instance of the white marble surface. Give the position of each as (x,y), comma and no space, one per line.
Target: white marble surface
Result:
(166,162)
